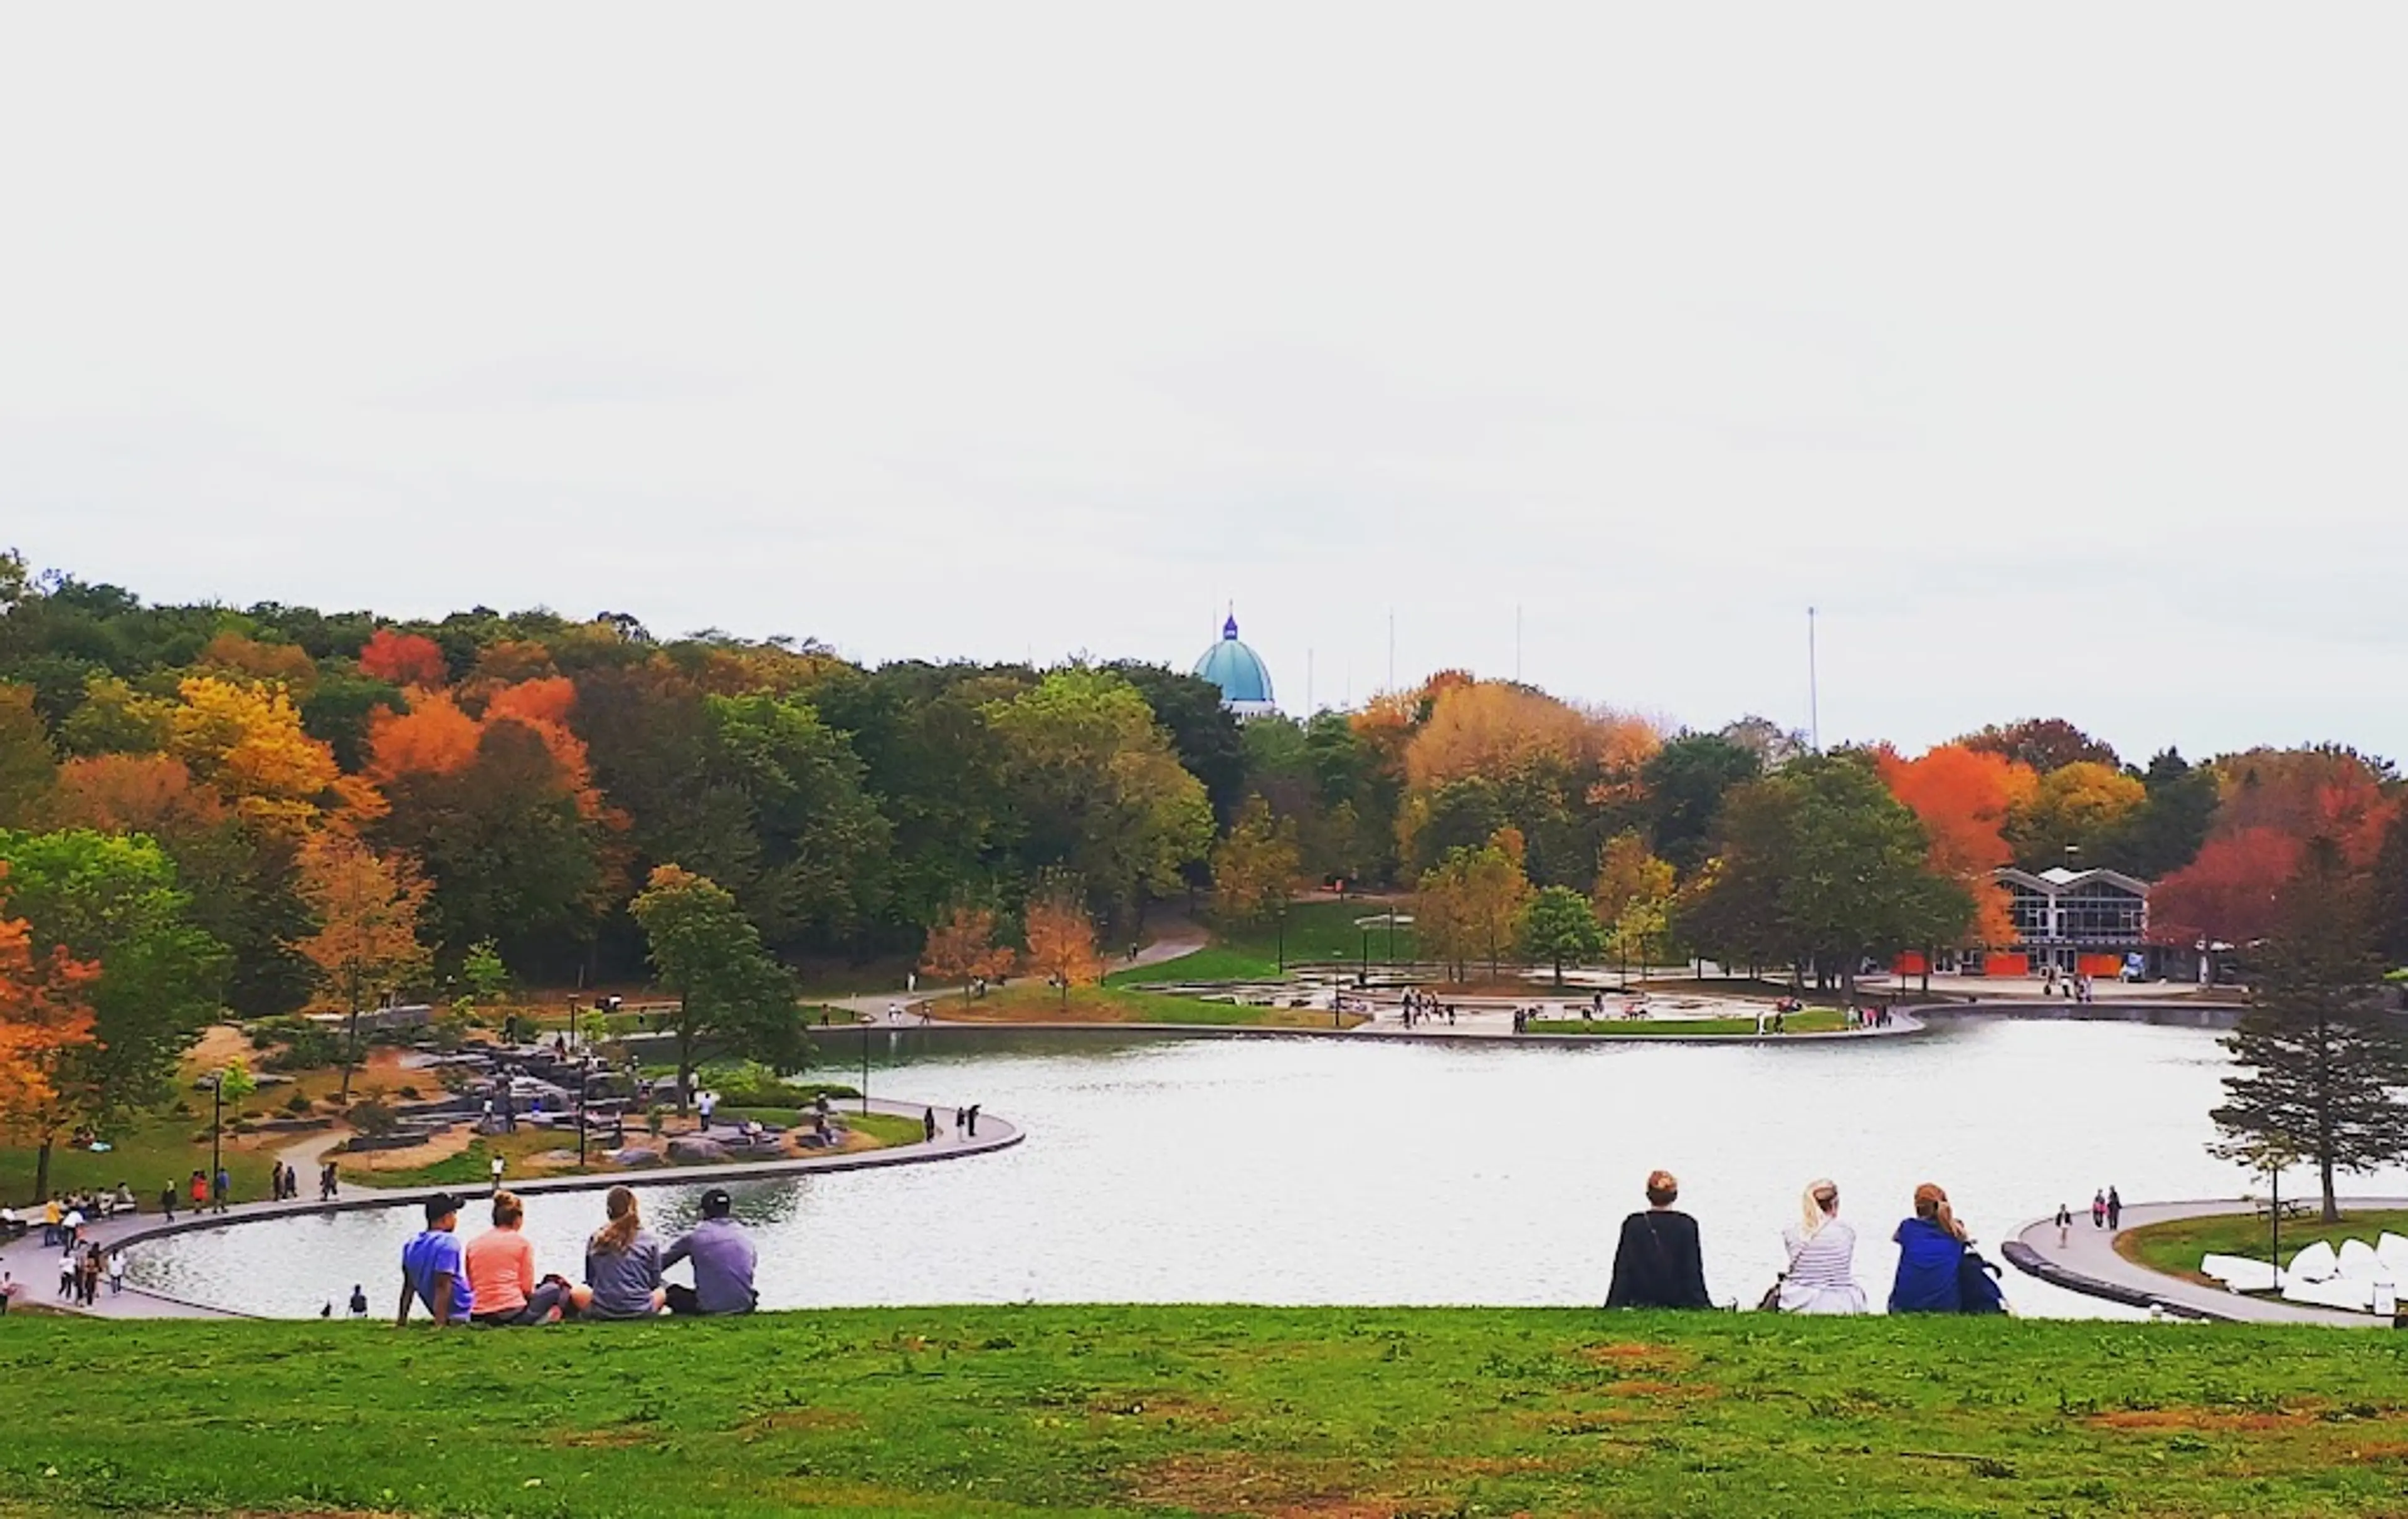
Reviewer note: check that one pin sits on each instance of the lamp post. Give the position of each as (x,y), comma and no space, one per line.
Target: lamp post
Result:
(1363,977)
(864,1068)
(581,1108)
(1392,941)
(217,1128)
(1282,939)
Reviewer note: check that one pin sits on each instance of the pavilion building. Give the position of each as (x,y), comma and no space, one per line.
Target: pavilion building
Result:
(2085,923)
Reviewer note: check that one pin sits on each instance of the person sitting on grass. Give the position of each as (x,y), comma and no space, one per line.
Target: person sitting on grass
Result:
(501,1272)
(1931,1258)
(622,1266)
(1658,1263)
(1821,1249)
(723,1256)
(434,1268)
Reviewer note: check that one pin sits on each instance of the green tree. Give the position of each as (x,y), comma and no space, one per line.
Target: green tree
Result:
(28,764)
(1686,780)
(114,901)
(1559,925)
(1101,791)
(2321,1055)
(733,998)
(806,844)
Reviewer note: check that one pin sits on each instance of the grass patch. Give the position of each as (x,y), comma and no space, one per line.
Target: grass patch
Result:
(1041,1004)
(1009,1410)
(1812,1021)
(1318,933)
(2175,1246)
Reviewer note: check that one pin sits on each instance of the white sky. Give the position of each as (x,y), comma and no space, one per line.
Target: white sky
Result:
(2058,353)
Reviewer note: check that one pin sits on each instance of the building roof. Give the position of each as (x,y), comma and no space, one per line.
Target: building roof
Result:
(2058,878)
(1245,682)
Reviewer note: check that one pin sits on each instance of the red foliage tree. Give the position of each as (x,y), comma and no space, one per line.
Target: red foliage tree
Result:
(2230,893)
(406,659)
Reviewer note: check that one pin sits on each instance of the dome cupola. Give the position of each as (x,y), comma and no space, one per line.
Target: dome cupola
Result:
(1245,682)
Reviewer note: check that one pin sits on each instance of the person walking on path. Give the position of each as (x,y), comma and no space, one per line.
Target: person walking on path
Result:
(222,1192)
(2114,1209)
(67,1271)
(1658,1263)
(928,1123)
(2098,1209)
(167,1201)
(2064,1225)
(326,1182)
(200,1191)
(974,1113)
(116,1272)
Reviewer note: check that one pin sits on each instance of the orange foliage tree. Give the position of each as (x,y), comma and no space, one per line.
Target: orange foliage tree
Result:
(962,948)
(1062,939)
(1494,728)
(365,907)
(2305,793)
(1965,798)
(2231,893)
(406,659)
(43,1014)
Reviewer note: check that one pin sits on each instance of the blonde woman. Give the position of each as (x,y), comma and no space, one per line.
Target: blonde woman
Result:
(1822,1246)
(622,1265)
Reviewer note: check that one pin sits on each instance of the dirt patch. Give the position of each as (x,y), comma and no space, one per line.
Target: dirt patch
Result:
(2200,1420)
(799,1419)
(1650,1387)
(220,1045)
(610,1439)
(451,1141)
(1622,1352)
(1299,1488)
(1159,1407)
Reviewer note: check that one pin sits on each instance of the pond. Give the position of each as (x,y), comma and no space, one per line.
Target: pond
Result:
(1322,1171)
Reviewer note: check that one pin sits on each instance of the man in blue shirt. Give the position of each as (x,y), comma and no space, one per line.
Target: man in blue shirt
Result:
(722,1258)
(435,1267)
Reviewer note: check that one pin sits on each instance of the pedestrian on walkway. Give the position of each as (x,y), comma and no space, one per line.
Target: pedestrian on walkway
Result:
(974,1113)
(167,1201)
(200,1188)
(50,1217)
(2064,1225)
(8,1290)
(326,1182)
(116,1272)
(958,1115)
(2098,1209)
(67,1271)
(222,1192)
(2114,1209)
(928,1123)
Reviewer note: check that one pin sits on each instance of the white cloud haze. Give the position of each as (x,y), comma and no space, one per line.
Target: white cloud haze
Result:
(2055,353)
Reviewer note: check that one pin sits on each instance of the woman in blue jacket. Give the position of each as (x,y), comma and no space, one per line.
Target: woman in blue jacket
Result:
(1930,1255)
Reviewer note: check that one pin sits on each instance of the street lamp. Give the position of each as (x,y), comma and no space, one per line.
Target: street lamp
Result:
(217,1128)
(1282,939)
(864,1068)
(1363,977)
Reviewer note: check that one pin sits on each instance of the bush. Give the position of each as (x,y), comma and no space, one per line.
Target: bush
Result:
(372,1118)
(781,1094)
(298,1105)
(294,1043)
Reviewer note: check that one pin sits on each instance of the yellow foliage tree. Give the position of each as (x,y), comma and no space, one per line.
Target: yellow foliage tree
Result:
(2072,807)
(246,741)
(1495,728)
(1633,897)
(963,948)
(1254,868)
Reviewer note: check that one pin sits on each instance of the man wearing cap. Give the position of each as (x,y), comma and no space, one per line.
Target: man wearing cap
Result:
(435,1267)
(722,1257)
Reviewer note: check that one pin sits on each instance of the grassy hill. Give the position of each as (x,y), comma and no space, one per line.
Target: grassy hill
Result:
(1203,1409)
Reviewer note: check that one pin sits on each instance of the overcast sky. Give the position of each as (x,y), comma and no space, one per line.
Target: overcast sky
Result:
(2057,354)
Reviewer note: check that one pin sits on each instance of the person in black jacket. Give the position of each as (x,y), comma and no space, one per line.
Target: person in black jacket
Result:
(1658,1263)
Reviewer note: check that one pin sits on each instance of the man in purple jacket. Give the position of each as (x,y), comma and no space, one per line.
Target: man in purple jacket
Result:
(722,1257)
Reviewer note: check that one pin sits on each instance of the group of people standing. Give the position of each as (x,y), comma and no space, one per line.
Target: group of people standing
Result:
(1420,1007)
(1659,1261)
(81,1268)
(492,1281)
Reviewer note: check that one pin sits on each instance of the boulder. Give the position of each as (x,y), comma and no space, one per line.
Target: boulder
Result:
(638,1156)
(694,1149)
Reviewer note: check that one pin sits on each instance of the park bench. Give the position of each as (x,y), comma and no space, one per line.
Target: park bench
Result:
(2292,1208)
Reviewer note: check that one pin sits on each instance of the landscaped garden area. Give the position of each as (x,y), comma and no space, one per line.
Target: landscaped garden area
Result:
(2177,1245)
(1108,1004)
(1009,1410)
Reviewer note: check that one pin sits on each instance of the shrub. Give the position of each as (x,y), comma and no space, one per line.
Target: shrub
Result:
(294,1043)
(371,1117)
(298,1105)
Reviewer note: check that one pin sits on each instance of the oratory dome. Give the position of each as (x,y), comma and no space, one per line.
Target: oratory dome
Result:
(1245,683)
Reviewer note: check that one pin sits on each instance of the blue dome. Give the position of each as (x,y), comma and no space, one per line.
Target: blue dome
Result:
(1239,671)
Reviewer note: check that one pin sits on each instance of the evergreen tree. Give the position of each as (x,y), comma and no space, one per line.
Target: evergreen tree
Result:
(2321,1052)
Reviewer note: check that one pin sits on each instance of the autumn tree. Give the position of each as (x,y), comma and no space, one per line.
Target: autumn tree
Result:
(1632,898)
(732,995)
(1472,901)
(1559,926)
(28,763)
(1965,798)
(1254,868)
(2072,812)
(365,908)
(961,947)
(45,1024)
(2229,894)
(2041,744)
(114,901)
(1062,937)
(2321,1053)
(405,659)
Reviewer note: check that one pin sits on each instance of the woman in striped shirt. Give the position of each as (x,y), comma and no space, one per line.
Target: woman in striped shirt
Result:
(1821,1256)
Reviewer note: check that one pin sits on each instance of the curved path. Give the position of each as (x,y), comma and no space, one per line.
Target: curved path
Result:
(2089,1264)
(36,1265)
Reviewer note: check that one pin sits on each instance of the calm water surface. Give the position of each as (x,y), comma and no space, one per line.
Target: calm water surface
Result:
(1307,1171)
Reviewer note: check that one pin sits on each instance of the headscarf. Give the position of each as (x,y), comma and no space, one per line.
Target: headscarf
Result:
(1811,1214)
(1929,1194)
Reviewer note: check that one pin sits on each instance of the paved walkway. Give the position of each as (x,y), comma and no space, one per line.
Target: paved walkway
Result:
(2089,1256)
(36,1265)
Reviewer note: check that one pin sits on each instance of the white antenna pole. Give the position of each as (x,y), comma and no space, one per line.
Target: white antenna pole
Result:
(1814,688)
(1518,643)
(1308,683)
(1392,648)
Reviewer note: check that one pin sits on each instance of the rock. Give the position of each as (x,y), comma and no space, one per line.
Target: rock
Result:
(694,1149)
(638,1156)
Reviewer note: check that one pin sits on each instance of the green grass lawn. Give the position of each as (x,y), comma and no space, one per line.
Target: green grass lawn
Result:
(1317,933)
(2176,1246)
(1812,1021)
(1036,1003)
(146,1156)
(1339,1412)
